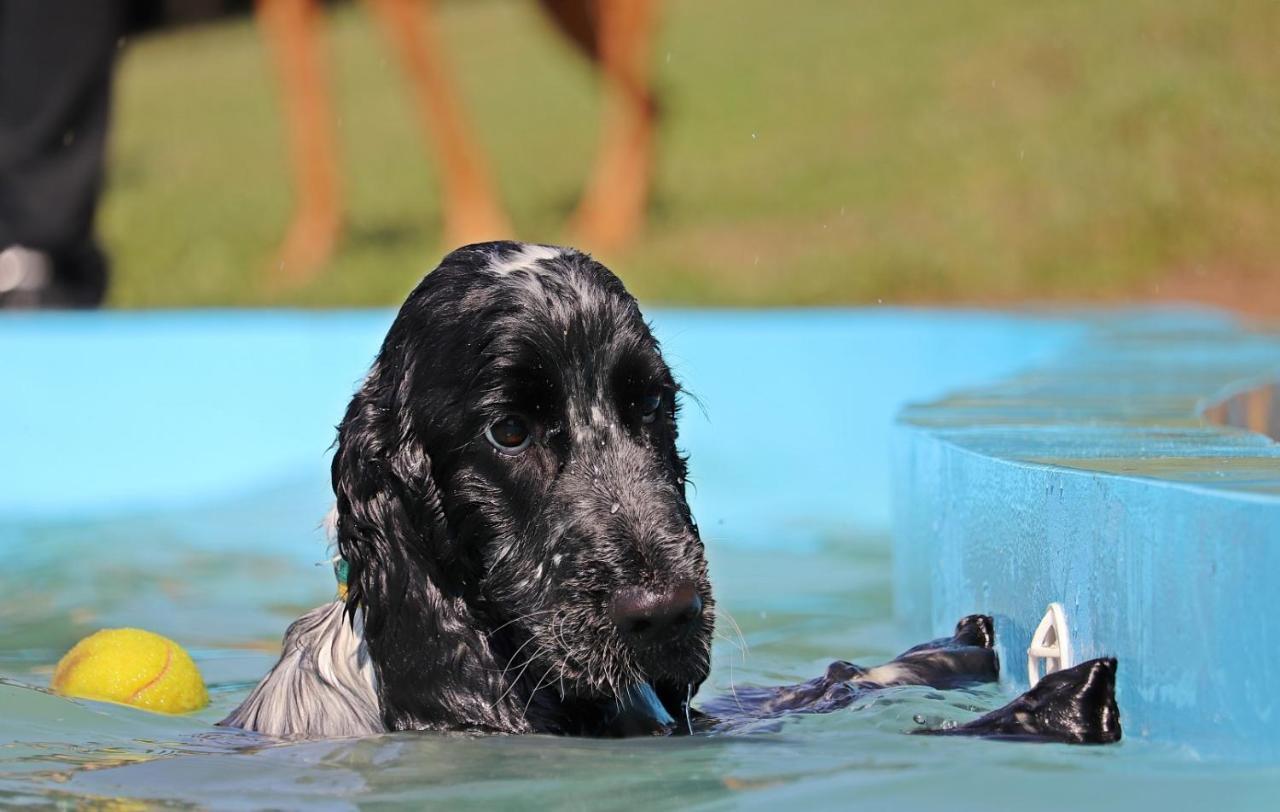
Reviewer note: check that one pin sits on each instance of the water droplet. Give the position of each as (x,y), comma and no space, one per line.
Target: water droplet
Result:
(614,508)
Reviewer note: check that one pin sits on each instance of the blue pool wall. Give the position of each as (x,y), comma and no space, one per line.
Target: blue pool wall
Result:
(208,434)
(1094,480)
(193,420)
(168,414)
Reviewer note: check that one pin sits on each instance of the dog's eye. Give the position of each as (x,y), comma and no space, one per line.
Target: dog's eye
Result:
(650,406)
(510,434)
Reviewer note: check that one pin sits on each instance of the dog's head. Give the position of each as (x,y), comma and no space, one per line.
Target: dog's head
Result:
(511,500)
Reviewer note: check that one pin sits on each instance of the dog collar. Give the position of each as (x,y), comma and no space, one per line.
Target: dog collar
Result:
(340,572)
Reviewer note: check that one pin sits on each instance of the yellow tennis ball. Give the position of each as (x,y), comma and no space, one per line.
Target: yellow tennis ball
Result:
(132,667)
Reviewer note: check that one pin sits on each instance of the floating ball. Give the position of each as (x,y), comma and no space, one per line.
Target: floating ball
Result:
(132,667)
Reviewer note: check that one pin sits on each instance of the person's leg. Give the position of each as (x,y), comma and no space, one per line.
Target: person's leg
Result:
(56,61)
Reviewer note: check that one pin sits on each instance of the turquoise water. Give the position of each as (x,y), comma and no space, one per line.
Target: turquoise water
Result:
(137,487)
(814,597)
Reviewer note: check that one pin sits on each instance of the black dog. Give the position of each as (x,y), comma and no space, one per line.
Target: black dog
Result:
(521,555)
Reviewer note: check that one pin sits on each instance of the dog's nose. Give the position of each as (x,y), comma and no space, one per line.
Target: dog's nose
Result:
(649,615)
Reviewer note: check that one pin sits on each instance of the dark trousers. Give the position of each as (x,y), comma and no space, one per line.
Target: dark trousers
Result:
(56,61)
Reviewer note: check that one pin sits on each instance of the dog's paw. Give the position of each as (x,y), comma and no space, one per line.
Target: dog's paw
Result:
(1073,706)
(975,630)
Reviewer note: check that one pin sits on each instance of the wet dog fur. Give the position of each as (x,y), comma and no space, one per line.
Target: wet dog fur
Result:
(510,502)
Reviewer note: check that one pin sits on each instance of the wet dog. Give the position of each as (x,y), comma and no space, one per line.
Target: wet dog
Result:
(521,557)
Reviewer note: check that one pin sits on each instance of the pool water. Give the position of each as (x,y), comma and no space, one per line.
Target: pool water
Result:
(800,556)
(797,609)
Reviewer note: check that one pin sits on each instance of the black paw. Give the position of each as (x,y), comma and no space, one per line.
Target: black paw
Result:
(965,658)
(975,630)
(1074,706)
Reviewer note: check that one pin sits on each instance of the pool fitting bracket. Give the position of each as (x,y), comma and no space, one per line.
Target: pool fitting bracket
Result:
(1050,644)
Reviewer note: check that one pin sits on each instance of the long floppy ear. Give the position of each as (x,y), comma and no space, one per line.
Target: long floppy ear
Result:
(434,666)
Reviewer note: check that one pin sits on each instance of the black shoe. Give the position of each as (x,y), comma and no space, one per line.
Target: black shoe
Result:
(33,280)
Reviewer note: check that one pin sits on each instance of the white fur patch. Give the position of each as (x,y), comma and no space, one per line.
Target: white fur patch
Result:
(523,258)
(329,524)
(886,674)
(324,685)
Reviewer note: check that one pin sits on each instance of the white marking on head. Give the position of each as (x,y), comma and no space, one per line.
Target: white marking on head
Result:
(523,258)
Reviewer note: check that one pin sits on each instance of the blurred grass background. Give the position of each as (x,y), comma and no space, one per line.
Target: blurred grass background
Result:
(811,152)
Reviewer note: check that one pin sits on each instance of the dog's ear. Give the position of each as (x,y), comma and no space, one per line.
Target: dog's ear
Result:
(389,512)
(435,670)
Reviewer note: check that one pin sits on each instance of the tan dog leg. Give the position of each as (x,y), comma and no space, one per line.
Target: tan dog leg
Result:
(471,209)
(612,207)
(292,32)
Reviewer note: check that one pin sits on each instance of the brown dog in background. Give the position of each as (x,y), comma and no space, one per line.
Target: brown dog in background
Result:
(614,34)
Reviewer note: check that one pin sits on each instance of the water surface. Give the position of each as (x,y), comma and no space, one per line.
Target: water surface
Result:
(198,511)
(226,582)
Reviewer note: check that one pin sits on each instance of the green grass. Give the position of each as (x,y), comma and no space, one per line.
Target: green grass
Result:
(811,152)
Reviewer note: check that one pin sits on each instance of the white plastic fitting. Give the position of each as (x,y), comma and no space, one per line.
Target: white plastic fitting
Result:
(1050,644)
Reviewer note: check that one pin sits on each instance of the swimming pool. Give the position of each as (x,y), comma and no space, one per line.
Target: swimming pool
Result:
(138,487)
(1132,480)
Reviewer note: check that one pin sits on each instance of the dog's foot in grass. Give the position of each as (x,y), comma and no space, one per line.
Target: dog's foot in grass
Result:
(308,246)
(475,217)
